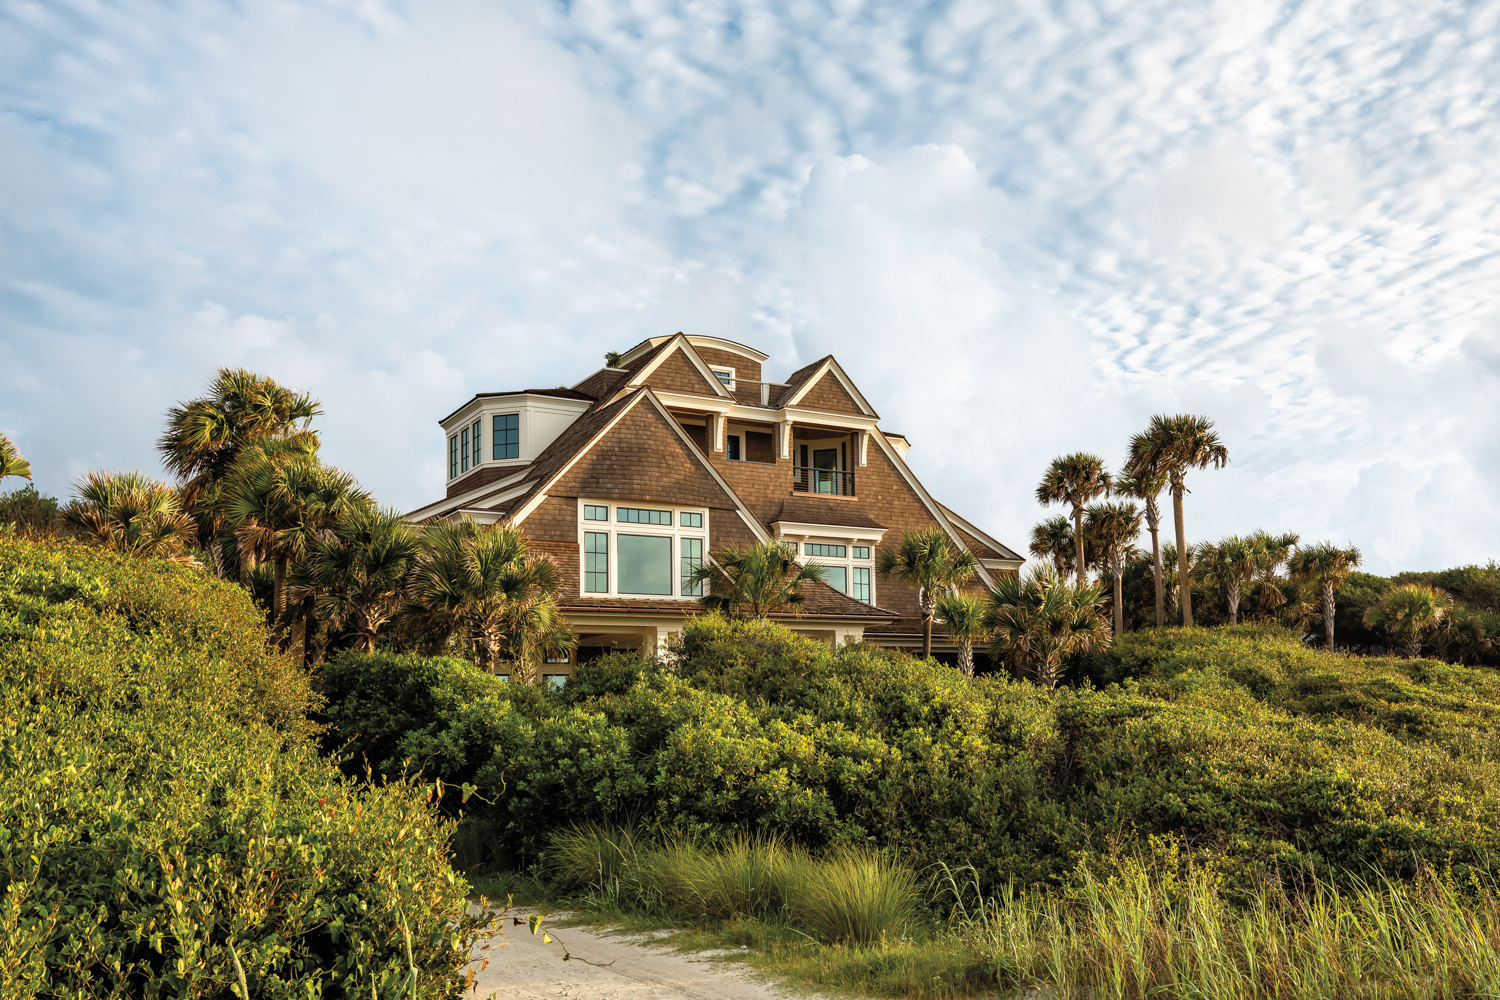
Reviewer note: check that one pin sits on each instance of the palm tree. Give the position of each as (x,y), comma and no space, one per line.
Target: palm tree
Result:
(1053,539)
(1325,565)
(962,617)
(1273,552)
(482,581)
(1174,445)
(929,562)
(1463,635)
(357,573)
(755,581)
(1144,481)
(1232,564)
(1075,480)
(277,510)
(206,438)
(1037,622)
(129,513)
(1409,614)
(11,462)
(1112,529)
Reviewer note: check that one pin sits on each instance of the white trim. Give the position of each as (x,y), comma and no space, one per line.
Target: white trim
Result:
(716,343)
(491,490)
(805,530)
(986,538)
(639,379)
(830,365)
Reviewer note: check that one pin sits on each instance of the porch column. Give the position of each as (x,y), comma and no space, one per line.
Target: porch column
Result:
(864,448)
(786,438)
(720,422)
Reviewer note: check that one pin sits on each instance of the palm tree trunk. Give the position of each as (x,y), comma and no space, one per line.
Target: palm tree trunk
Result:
(1153,522)
(966,658)
(926,633)
(1234,602)
(1119,600)
(1328,614)
(1083,572)
(1184,582)
(278,595)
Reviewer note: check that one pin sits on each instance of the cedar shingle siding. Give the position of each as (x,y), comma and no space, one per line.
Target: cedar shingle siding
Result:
(829,395)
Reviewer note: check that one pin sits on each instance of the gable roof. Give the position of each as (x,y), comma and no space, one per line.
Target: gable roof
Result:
(804,379)
(678,344)
(576,442)
(600,384)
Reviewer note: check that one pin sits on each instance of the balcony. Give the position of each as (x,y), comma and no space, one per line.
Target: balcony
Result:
(828,482)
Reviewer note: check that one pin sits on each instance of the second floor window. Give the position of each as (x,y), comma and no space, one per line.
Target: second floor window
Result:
(453,457)
(505,436)
(474,443)
(463,450)
(641,551)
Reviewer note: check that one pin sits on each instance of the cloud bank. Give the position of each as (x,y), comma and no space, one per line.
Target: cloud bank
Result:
(1022,228)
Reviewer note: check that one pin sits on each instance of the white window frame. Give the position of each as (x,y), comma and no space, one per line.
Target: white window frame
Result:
(614,527)
(716,369)
(848,562)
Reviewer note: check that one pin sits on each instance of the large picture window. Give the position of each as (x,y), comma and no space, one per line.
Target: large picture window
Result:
(645,564)
(634,551)
(505,436)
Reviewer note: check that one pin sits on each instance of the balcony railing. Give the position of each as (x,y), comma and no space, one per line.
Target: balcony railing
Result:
(829,482)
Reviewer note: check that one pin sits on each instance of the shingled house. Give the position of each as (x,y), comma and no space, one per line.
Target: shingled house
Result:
(638,473)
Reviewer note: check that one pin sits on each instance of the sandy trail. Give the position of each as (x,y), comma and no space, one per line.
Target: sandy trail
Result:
(528,969)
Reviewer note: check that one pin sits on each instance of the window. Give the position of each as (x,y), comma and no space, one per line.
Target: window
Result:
(861,552)
(692,559)
(505,436)
(559,658)
(645,552)
(463,450)
(836,577)
(734,447)
(477,452)
(860,590)
(555,682)
(833,551)
(645,564)
(639,515)
(453,457)
(724,375)
(596,562)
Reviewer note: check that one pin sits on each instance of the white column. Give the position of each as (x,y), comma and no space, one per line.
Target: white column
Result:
(786,438)
(720,421)
(654,641)
(864,448)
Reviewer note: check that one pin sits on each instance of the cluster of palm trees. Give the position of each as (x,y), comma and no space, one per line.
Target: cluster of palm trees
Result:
(1291,583)
(1413,614)
(254,503)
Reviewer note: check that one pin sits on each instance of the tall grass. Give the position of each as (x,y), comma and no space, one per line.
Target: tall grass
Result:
(1137,935)
(851,895)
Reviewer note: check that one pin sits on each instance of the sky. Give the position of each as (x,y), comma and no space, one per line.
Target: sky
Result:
(1023,227)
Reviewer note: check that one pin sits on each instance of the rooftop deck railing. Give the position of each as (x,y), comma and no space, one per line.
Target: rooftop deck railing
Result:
(829,482)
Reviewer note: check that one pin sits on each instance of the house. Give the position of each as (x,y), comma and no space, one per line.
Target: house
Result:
(635,475)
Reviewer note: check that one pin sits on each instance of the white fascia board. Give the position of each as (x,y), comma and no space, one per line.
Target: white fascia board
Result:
(933,507)
(805,530)
(799,415)
(687,351)
(520,401)
(727,346)
(496,491)
(760,532)
(1002,565)
(832,365)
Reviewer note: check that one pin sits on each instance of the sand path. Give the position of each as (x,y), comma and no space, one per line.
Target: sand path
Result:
(528,969)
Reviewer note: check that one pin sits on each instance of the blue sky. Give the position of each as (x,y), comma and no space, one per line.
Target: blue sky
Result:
(1022,227)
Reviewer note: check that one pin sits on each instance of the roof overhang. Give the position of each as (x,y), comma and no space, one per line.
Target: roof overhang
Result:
(803,529)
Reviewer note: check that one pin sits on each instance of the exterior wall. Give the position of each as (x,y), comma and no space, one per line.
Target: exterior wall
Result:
(677,374)
(744,368)
(828,394)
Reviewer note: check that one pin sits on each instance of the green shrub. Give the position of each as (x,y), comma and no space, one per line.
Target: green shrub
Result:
(165,820)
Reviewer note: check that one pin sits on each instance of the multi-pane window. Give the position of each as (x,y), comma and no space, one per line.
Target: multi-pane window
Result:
(505,436)
(836,577)
(640,515)
(453,457)
(724,375)
(861,552)
(652,553)
(596,562)
(692,559)
(832,551)
(645,564)
(478,455)
(463,450)
(859,589)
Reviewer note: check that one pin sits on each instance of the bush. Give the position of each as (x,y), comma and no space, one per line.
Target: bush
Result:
(165,820)
(1274,758)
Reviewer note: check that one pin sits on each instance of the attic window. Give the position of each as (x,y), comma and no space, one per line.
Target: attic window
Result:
(725,375)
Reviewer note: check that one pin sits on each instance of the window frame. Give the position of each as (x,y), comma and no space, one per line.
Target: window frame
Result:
(718,373)
(495,439)
(614,527)
(849,562)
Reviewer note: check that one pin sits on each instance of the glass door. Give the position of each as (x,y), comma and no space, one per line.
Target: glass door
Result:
(825,470)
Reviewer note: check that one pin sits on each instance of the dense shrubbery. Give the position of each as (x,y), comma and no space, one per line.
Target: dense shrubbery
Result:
(164,814)
(1242,742)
